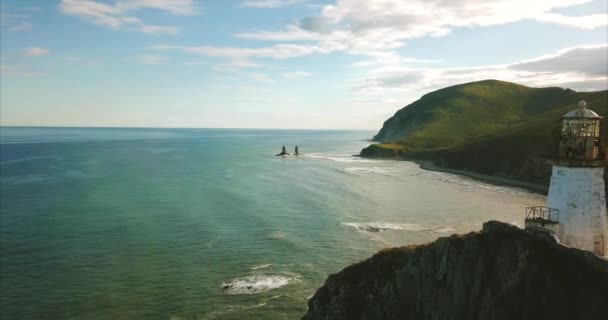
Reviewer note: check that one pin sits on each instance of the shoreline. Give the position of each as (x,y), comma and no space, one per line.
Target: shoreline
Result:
(498,181)
(506,182)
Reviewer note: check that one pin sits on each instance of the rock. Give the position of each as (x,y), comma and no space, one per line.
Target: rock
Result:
(502,272)
(382,150)
(373,229)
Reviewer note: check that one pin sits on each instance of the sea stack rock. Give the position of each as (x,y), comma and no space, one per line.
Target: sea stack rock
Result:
(283,152)
(501,272)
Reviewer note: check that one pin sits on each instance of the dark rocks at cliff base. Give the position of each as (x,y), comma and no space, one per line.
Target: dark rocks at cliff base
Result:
(502,272)
(382,151)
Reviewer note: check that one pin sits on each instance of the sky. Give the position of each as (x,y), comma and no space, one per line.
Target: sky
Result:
(340,64)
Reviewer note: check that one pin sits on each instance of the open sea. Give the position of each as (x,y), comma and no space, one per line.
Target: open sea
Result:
(208,223)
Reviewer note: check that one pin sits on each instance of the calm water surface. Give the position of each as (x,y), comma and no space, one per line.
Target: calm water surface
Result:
(208,223)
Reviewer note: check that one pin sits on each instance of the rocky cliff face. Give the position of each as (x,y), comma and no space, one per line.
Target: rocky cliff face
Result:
(501,272)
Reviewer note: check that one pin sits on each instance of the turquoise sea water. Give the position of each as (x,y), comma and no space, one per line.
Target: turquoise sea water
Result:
(208,223)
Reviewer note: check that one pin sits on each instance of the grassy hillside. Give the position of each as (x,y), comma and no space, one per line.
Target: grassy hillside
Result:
(489,127)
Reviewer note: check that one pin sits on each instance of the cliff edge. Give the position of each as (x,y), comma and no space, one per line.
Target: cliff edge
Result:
(501,272)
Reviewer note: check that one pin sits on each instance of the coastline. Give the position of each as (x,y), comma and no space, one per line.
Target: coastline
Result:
(498,181)
(532,187)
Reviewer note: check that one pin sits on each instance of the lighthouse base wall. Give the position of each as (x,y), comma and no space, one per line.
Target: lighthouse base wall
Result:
(579,195)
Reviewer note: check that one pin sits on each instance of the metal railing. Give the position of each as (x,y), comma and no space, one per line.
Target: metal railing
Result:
(542,214)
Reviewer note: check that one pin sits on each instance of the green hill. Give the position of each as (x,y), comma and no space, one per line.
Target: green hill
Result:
(489,127)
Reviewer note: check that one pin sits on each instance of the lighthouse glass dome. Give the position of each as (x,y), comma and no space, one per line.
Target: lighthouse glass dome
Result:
(579,137)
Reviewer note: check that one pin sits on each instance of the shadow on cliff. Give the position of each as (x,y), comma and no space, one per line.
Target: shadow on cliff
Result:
(502,272)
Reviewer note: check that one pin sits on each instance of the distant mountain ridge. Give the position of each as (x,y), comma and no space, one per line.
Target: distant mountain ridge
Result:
(490,127)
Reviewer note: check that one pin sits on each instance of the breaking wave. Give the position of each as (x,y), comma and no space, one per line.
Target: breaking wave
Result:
(278,235)
(255,284)
(261,266)
(338,158)
(444,230)
(383,226)
(367,169)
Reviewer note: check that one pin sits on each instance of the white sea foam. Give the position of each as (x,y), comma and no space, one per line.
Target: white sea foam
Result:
(26,159)
(444,230)
(368,169)
(261,266)
(278,235)
(255,284)
(384,226)
(338,158)
(212,242)
(158,150)
(29,178)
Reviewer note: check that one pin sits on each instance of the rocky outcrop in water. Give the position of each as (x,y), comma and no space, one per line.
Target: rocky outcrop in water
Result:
(502,272)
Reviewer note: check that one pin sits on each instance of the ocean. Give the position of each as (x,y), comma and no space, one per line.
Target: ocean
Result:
(209,223)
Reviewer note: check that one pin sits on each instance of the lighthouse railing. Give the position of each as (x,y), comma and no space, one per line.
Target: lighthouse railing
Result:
(542,214)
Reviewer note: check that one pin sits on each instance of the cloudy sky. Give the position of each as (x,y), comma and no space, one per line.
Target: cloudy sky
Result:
(280,63)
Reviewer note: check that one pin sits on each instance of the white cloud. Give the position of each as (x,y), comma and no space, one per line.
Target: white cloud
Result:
(580,68)
(382,26)
(11,71)
(151,59)
(117,15)
(31,8)
(35,52)
(296,74)
(175,7)
(259,77)
(280,51)
(22,26)
(235,65)
(193,63)
(582,22)
(293,33)
(377,29)
(592,60)
(269,4)
(84,62)
(159,30)
(15,20)
(98,12)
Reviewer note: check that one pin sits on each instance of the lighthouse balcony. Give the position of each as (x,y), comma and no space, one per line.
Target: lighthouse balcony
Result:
(542,219)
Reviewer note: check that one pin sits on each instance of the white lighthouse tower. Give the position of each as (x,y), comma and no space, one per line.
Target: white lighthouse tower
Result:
(577,189)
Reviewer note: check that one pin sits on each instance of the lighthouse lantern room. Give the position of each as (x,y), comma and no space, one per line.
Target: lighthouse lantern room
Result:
(577,189)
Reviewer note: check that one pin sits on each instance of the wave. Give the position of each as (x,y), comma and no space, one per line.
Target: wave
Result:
(444,230)
(338,158)
(367,169)
(278,235)
(261,266)
(383,226)
(158,150)
(29,178)
(26,159)
(255,284)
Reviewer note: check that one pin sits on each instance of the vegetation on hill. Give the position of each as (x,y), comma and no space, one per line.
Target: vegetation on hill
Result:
(490,127)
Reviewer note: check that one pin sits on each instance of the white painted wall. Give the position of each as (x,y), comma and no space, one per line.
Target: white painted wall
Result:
(579,195)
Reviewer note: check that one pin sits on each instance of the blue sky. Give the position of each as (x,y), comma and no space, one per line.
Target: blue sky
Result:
(343,64)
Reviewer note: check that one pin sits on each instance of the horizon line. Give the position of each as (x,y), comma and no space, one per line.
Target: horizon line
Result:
(213,128)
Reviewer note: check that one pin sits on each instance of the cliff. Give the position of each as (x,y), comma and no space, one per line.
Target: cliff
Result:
(489,127)
(502,272)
